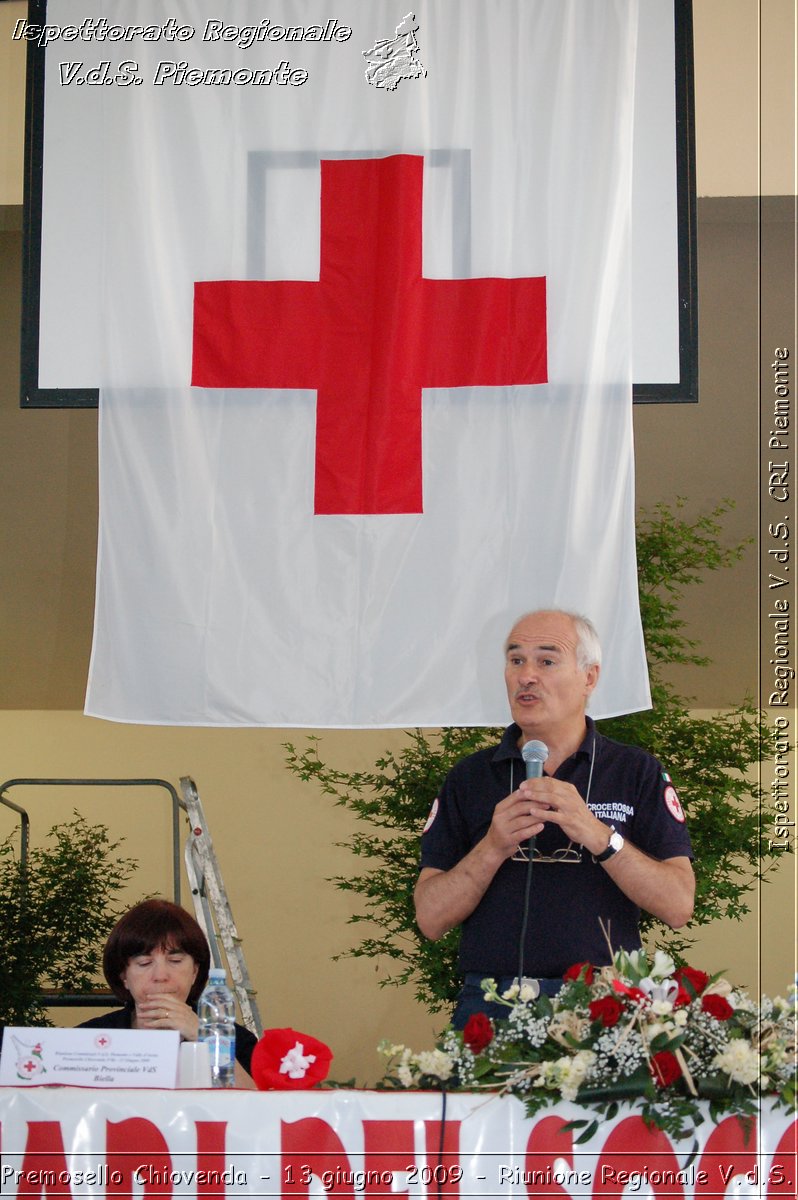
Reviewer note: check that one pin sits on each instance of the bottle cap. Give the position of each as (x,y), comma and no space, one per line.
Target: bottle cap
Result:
(216,975)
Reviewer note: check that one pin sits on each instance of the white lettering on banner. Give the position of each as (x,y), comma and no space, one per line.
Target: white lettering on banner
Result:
(351,1143)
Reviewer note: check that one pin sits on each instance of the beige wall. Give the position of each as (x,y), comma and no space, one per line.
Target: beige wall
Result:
(274,836)
(745,97)
(12,103)
(275,839)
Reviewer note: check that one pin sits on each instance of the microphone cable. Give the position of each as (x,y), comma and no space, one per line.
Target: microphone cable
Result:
(533,749)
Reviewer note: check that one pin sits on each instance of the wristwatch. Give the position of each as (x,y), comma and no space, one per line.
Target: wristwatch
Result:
(615,844)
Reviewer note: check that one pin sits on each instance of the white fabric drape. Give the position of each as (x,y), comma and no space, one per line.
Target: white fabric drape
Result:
(222,599)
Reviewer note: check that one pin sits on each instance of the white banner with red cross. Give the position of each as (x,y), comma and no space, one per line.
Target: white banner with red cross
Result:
(366,389)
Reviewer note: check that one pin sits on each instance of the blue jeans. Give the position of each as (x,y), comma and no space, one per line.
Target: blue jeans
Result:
(472,998)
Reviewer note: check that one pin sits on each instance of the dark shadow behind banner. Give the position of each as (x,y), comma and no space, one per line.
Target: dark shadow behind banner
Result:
(664,235)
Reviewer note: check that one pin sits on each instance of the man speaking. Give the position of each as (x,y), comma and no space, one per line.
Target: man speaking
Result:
(535,869)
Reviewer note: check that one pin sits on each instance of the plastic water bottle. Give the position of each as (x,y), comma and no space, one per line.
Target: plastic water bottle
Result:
(216,1011)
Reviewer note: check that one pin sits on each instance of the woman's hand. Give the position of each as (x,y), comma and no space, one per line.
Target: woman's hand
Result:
(165,1011)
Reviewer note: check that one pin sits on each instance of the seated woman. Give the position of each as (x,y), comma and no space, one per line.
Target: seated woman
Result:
(156,961)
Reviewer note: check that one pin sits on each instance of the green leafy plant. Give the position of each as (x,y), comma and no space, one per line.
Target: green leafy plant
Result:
(55,914)
(711,762)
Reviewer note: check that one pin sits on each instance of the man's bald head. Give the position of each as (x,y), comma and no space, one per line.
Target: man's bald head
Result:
(588,645)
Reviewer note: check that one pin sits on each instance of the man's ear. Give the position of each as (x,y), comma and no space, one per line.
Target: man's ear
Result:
(591,678)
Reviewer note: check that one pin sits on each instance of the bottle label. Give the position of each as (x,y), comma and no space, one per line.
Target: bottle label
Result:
(223,1051)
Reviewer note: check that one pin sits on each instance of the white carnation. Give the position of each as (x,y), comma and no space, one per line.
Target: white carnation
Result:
(404,1075)
(436,1063)
(574,1073)
(568,1073)
(740,1061)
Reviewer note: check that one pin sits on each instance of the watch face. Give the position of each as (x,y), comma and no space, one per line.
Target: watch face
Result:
(613,846)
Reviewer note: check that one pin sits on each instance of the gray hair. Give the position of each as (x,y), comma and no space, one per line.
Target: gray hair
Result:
(588,645)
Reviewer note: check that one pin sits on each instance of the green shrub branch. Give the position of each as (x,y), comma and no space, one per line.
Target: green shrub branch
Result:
(56,911)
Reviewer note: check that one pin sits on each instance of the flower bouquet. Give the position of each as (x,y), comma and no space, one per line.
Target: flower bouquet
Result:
(638,1030)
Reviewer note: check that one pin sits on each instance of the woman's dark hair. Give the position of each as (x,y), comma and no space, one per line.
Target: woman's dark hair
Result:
(154,925)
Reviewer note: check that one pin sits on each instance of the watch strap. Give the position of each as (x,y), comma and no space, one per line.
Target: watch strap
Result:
(612,847)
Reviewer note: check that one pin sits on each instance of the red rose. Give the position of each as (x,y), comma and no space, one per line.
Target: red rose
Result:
(582,970)
(608,1009)
(665,1068)
(286,1059)
(478,1032)
(717,1007)
(696,982)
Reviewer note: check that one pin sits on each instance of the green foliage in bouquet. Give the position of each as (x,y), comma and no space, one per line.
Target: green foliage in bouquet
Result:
(710,762)
(55,915)
(639,1031)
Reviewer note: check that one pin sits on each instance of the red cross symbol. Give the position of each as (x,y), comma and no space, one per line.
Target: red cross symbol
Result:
(369,335)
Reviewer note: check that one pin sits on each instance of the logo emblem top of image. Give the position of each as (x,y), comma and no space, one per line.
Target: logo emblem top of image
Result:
(390,60)
(30,1060)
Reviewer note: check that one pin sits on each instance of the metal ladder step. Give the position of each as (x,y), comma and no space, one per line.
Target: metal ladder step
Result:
(212,906)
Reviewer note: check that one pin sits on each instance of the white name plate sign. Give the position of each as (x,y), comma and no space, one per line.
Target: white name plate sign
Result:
(113,1058)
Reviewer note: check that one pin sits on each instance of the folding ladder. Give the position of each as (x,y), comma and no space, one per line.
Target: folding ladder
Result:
(211,904)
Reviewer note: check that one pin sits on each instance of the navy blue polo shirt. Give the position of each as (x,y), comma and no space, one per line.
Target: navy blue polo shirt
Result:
(569,900)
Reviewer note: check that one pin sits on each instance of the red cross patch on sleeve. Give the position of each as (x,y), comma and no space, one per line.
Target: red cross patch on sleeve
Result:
(433,812)
(672,803)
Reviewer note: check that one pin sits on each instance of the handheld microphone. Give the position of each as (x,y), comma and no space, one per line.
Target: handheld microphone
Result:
(534,755)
